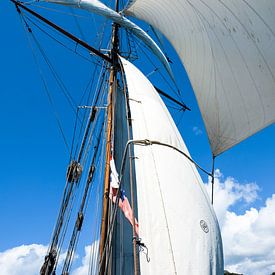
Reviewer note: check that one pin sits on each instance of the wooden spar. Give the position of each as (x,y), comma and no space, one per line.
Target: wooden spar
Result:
(61,30)
(105,212)
(184,107)
(105,207)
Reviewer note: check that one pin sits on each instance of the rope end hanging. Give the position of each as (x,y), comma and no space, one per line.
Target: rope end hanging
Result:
(212,180)
(143,248)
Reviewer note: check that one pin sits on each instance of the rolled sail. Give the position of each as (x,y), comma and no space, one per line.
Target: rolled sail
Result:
(227,48)
(97,7)
(176,220)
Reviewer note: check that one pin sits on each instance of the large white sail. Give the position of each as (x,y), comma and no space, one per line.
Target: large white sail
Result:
(176,220)
(227,48)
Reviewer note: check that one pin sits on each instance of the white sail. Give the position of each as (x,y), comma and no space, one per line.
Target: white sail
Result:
(227,48)
(99,8)
(176,220)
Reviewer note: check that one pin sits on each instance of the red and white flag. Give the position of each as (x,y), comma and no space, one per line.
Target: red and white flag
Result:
(123,202)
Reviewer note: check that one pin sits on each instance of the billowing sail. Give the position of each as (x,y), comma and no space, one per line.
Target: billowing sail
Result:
(227,48)
(176,220)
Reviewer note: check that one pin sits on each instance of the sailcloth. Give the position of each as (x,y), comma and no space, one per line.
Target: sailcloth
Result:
(176,220)
(227,48)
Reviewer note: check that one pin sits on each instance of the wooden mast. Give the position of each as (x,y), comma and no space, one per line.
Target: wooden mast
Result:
(112,87)
(106,201)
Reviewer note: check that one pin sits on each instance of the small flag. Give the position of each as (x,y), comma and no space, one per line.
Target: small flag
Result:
(123,202)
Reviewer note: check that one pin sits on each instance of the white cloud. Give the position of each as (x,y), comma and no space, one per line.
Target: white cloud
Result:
(197,131)
(88,261)
(248,239)
(28,259)
(228,192)
(84,268)
(24,259)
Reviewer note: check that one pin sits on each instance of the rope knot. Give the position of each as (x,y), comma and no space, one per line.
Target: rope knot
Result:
(142,248)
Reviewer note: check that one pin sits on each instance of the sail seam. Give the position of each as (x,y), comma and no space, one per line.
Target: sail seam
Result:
(164,212)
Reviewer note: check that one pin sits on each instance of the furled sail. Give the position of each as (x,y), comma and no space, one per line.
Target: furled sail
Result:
(174,212)
(99,8)
(227,48)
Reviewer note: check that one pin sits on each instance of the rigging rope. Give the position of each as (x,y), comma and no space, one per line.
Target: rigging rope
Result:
(81,211)
(55,10)
(98,91)
(142,48)
(54,72)
(70,197)
(29,34)
(54,250)
(94,118)
(93,261)
(58,41)
(77,24)
(69,191)
(58,79)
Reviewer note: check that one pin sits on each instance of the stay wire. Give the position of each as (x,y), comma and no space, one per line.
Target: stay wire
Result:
(66,220)
(70,206)
(88,87)
(77,24)
(93,261)
(137,44)
(70,202)
(98,153)
(69,98)
(84,202)
(178,93)
(46,88)
(59,81)
(102,76)
(162,76)
(96,95)
(74,133)
(31,3)
(67,215)
(84,163)
(85,153)
(58,41)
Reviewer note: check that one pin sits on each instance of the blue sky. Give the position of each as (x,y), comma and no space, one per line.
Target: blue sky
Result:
(33,156)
